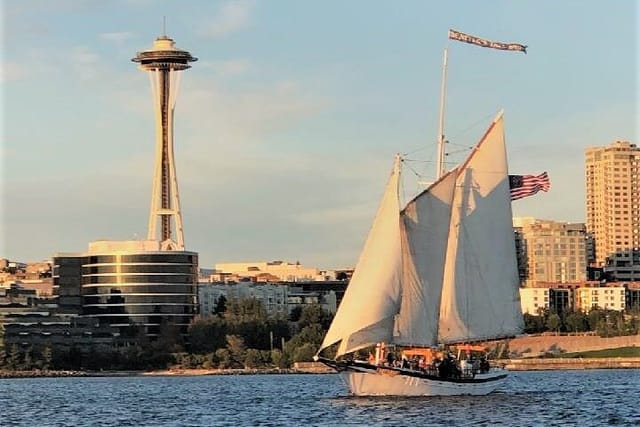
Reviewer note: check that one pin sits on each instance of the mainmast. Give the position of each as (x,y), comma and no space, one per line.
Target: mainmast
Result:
(443,90)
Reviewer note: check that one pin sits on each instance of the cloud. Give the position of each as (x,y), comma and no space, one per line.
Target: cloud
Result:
(12,71)
(229,68)
(119,38)
(84,62)
(231,17)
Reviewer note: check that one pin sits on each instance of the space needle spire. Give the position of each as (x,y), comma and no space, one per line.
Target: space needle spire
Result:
(163,62)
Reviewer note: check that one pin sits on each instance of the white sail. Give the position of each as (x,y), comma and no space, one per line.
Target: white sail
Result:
(425,222)
(366,313)
(480,297)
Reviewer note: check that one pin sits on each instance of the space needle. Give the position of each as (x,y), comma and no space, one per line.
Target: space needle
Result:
(163,62)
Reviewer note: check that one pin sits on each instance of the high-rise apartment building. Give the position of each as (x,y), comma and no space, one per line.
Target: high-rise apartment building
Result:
(613,201)
(551,251)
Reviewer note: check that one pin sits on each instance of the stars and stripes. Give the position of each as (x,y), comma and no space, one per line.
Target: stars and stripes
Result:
(462,37)
(528,185)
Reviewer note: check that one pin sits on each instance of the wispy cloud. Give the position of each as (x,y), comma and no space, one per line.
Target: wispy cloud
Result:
(119,37)
(231,17)
(229,68)
(11,71)
(84,62)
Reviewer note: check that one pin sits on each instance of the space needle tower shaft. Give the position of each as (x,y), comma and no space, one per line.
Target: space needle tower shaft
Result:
(163,62)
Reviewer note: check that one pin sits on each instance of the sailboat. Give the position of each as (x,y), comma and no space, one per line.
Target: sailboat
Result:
(440,271)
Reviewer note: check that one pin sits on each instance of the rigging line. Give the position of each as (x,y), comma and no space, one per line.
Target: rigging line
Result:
(415,151)
(420,161)
(414,171)
(476,123)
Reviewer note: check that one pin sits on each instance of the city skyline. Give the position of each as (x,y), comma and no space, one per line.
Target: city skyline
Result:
(295,108)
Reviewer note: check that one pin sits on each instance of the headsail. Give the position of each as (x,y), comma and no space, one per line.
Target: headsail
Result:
(425,226)
(366,313)
(480,297)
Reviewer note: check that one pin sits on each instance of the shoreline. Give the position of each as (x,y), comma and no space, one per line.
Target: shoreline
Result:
(533,364)
(176,372)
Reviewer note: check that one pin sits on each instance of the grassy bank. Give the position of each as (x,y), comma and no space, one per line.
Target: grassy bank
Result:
(609,352)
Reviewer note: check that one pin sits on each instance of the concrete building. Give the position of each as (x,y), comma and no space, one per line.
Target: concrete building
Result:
(278,299)
(270,271)
(608,298)
(623,266)
(613,200)
(534,300)
(128,284)
(551,251)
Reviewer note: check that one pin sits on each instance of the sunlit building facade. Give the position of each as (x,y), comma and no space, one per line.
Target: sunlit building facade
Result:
(551,251)
(130,285)
(613,201)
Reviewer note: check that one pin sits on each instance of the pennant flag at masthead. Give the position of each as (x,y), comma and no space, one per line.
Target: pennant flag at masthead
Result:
(462,37)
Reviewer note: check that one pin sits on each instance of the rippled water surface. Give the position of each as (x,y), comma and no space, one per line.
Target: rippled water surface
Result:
(551,398)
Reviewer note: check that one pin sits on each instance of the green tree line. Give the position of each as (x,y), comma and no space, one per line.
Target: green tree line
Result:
(239,334)
(606,323)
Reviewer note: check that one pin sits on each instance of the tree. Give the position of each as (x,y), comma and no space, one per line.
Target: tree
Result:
(13,358)
(169,338)
(576,321)
(533,324)
(295,313)
(224,358)
(304,353)
(3,357)
(279,359)
(27,360)
(244,309)
(237,350)
(314,314)
(553,322)
(207,335)
(253,358)
(221,306)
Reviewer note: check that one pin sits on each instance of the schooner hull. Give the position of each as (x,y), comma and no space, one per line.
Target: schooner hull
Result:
(369,380)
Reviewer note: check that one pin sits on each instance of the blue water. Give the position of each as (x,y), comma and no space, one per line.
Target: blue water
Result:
(551,398)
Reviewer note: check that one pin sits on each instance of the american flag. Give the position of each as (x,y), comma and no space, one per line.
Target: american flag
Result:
(528,185)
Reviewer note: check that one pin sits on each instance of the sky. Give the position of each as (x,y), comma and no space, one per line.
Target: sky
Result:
(287,125)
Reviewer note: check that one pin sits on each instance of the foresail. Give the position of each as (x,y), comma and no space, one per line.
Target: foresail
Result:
(365,315)
(480,297)
(425,226)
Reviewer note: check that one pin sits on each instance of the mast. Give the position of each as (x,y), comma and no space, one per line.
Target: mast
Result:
(443,90)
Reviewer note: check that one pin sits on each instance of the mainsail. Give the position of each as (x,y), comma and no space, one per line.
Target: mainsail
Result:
(444,269)
(366,313)
(480,297)
(425,226)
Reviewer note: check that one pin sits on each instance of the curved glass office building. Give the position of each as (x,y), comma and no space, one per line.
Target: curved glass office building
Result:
(133,283)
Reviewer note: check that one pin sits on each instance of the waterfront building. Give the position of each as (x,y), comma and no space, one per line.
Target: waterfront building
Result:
(623,266)
(129,284)
(534,300)
(613,202)
(299,297)
(633,296)
(551,251)
(278,299)
(605,297)
(270,271)
(273,297)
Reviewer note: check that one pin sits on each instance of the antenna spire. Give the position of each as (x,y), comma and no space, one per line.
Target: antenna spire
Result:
(164,26)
